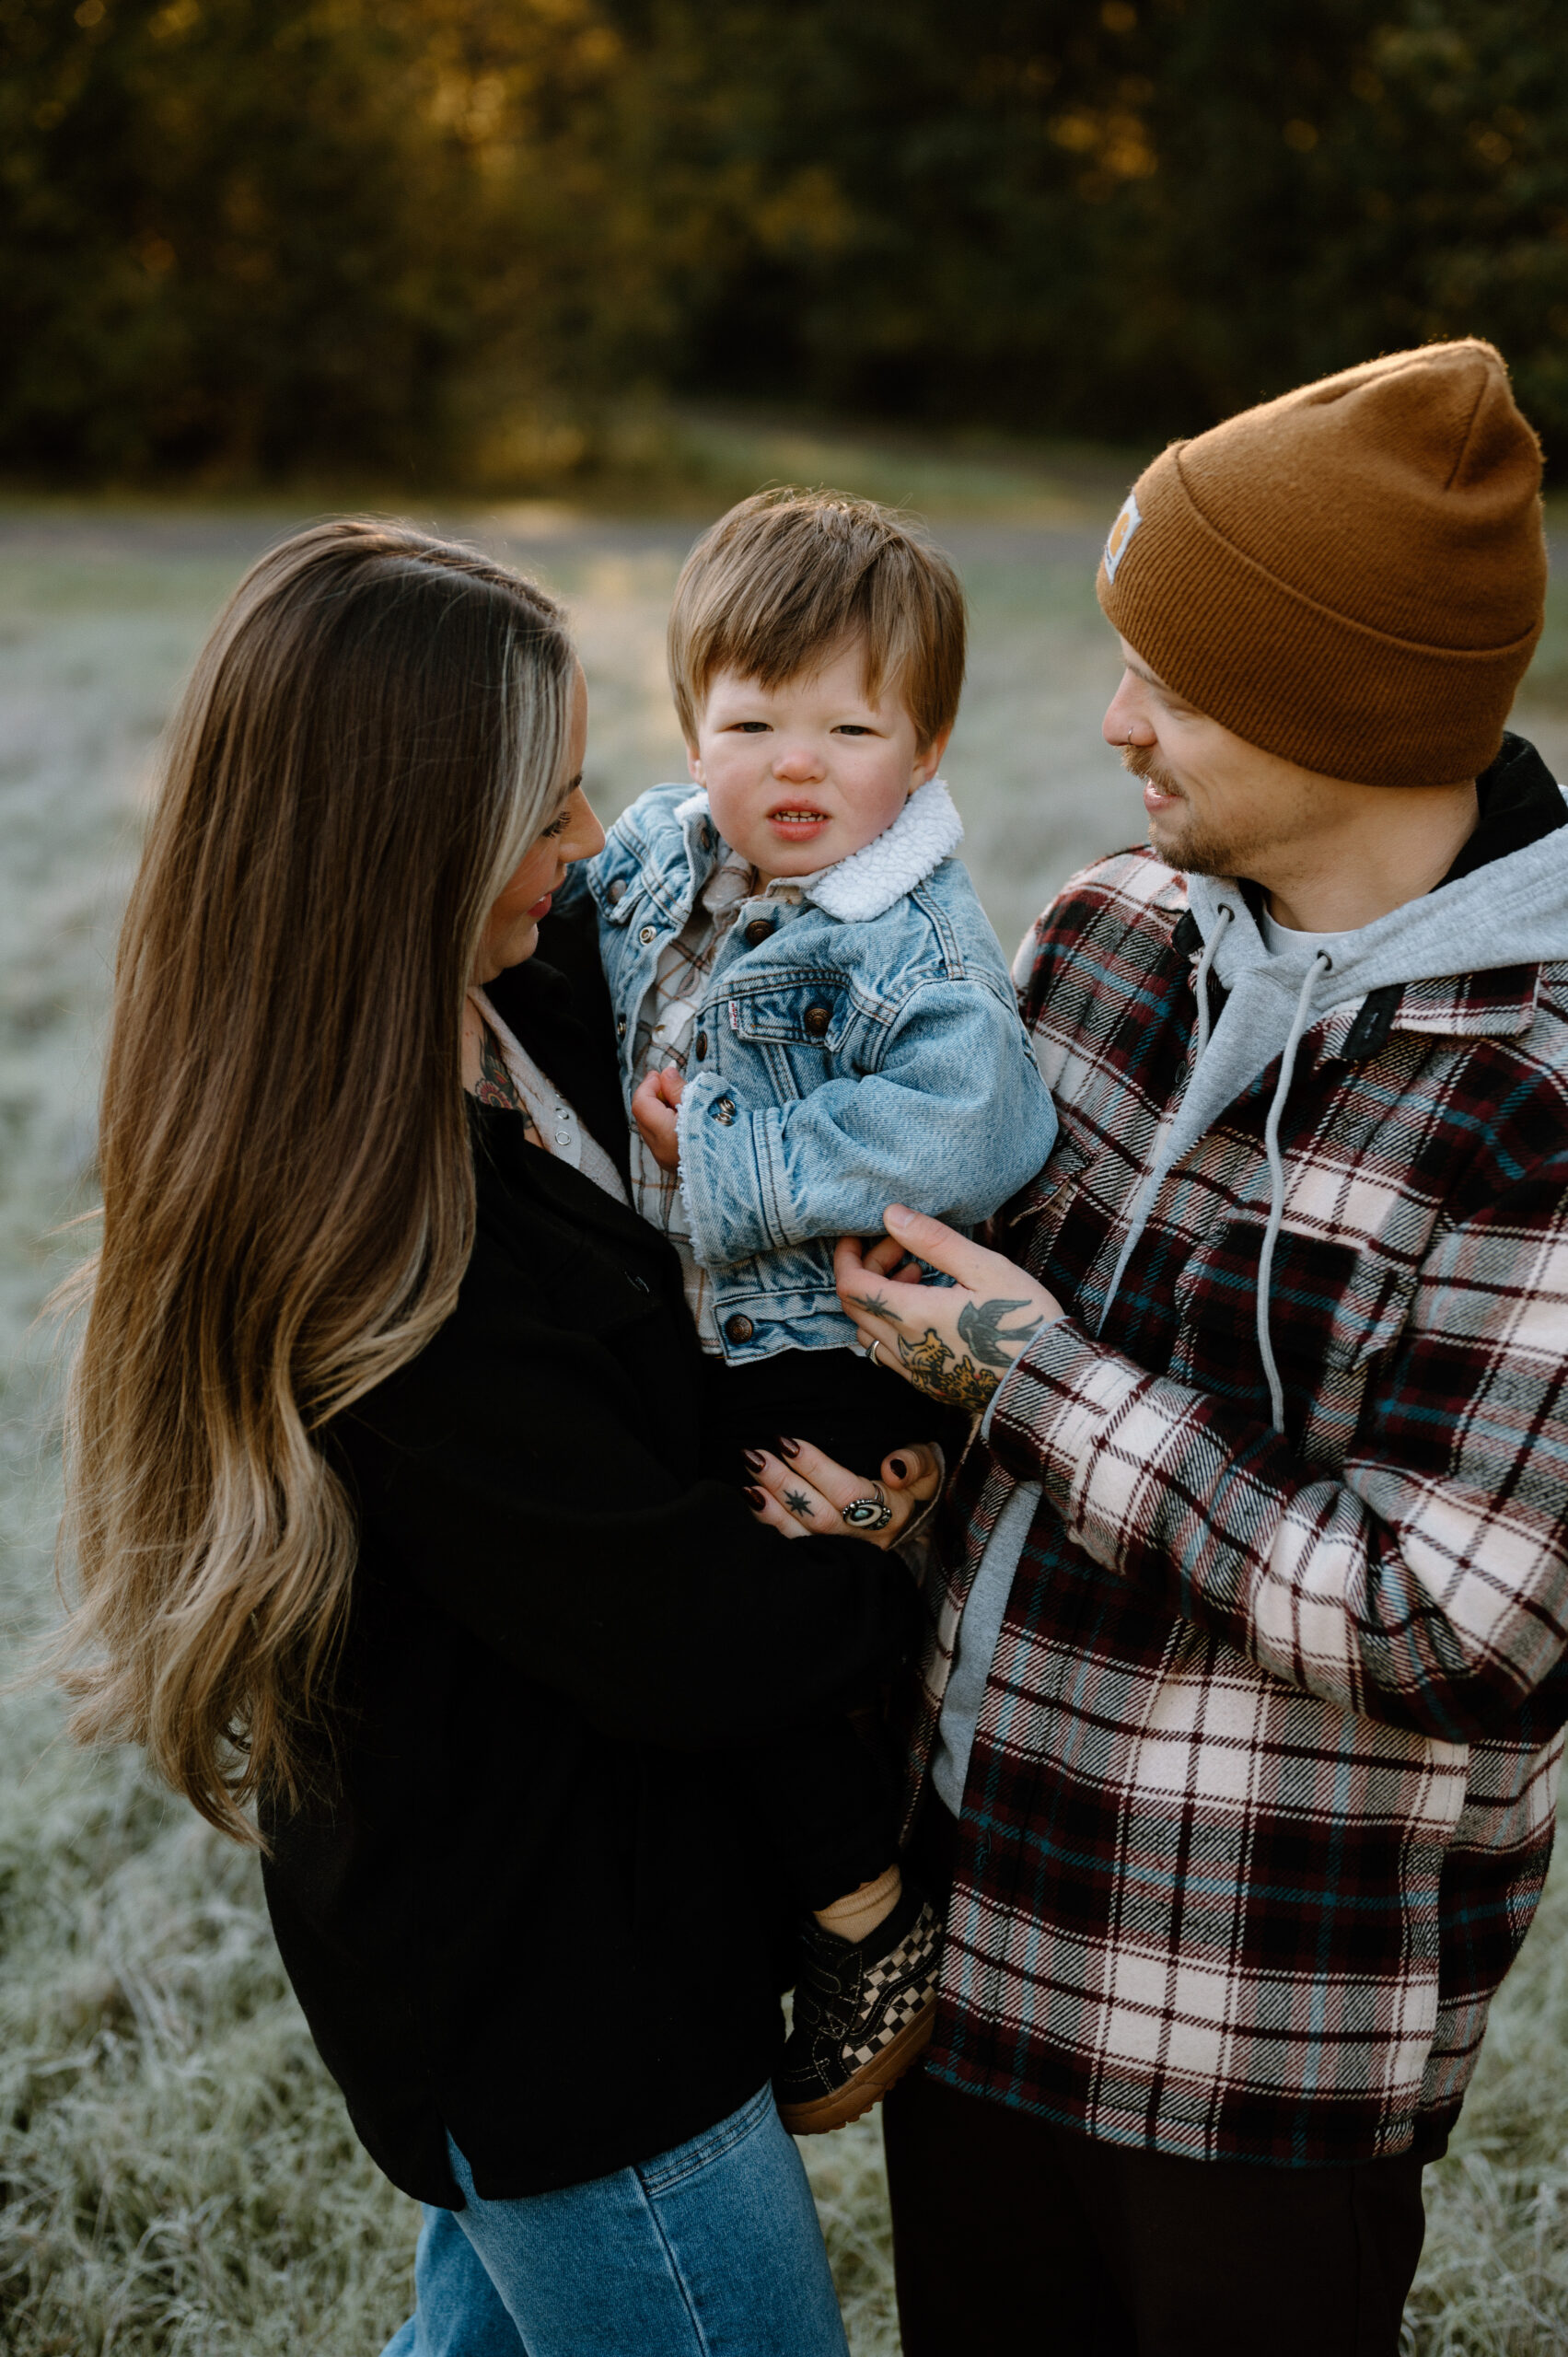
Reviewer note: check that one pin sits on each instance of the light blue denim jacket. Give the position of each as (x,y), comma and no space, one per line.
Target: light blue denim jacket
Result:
(867,1050)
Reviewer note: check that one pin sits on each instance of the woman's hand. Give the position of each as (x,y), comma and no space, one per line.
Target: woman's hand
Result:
(954,1343)
(804,1493)
(654,1108)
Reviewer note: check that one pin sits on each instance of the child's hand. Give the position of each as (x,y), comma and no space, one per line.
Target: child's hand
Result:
(653,1108)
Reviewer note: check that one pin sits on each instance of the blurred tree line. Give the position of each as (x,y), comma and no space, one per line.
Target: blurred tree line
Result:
(461,239)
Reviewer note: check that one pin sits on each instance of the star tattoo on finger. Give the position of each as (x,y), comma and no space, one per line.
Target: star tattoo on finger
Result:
(877,1307)
(799,1503)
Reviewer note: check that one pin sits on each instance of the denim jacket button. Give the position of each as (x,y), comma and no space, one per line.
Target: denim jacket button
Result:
(758,930)
(722,1110)
(700,1046)
(818,1019)
(739,1329)
(646,934)
(617,890)
(621,1026)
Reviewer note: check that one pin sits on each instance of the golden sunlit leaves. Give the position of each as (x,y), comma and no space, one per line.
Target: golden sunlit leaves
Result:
(806,215)
(1115,139)
(1078,131)
(1300,136)
(178,17)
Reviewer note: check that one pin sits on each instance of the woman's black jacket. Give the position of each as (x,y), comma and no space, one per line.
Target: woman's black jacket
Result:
(538,1912)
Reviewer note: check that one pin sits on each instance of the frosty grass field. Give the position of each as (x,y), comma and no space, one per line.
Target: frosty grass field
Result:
(176,2171)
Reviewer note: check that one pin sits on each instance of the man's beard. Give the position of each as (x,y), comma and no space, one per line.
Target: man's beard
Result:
(1188,846)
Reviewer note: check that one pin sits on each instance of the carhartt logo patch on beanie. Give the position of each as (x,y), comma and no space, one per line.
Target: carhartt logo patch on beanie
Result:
(1122,532)
(1352,576)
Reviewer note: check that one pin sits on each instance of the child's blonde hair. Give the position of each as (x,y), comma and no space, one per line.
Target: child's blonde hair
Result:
(785,578)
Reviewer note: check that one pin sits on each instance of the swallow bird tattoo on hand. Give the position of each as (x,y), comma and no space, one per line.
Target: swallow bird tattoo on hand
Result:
(982,1333)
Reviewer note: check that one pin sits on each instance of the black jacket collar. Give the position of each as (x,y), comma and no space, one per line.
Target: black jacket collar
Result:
(1520,802)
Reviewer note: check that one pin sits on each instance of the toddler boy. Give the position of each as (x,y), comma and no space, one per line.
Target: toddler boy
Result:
(816,1020)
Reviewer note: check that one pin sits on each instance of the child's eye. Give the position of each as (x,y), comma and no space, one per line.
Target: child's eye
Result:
(752,727)
(854,728)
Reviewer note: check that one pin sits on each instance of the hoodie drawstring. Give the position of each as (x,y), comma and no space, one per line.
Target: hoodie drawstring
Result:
(1277,1183)
(1200,980)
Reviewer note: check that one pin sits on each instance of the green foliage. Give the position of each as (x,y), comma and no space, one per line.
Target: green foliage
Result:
(451,238)
(1115,222)
(244,235)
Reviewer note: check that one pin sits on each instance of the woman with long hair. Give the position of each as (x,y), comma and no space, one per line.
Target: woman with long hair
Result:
(396,1544)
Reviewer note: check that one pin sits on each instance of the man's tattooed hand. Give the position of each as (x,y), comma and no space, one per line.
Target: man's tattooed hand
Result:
(941,1375)
(980,1328)
(955,1345)
(799,1503)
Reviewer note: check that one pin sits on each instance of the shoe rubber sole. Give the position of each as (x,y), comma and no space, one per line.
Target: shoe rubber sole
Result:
(869,2084)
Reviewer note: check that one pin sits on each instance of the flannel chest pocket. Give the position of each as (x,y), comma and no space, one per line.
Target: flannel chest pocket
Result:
(1333,1308)
(1033,1218)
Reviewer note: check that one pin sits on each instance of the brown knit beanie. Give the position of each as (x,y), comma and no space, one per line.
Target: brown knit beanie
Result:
(1351,577)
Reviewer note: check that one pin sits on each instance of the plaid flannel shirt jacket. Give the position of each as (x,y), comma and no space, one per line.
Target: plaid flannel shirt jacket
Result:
(1262,1790)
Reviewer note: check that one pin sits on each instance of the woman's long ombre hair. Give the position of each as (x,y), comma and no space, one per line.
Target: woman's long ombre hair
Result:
(374,734)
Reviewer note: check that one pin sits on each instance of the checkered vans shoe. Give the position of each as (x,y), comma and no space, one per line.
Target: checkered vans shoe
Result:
(863,2012)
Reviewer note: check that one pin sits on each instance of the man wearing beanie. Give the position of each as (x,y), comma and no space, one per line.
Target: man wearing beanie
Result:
(1239,1722)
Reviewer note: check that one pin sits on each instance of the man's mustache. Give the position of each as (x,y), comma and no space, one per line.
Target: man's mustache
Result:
(1140,760)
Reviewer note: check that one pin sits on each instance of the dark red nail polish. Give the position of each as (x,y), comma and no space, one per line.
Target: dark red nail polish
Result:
(900,1467)
(752,1459)
(788,1447)
(754,1498)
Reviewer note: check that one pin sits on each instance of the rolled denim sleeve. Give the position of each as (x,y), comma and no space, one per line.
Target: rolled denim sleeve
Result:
(953,1121)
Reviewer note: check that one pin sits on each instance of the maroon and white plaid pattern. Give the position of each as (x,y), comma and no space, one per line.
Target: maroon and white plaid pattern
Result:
(1262,1792)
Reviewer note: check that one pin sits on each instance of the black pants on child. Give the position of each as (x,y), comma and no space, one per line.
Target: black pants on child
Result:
(1010,2234)
(825,1792)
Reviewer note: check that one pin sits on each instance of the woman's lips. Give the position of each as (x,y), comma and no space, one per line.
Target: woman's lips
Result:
(540,909)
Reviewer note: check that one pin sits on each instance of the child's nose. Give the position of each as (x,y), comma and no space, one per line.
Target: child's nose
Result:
(797,763)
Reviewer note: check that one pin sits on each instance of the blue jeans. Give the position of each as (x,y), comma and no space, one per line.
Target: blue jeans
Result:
(711,2250)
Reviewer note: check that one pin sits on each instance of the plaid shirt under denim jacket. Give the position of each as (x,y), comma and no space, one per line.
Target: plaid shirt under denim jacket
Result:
(1261,1795)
